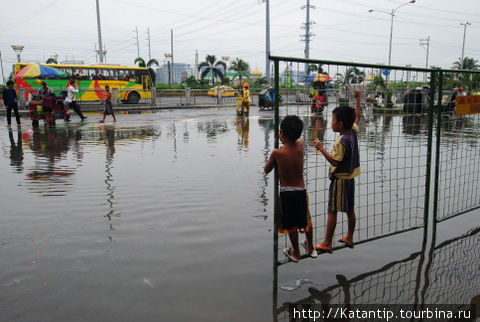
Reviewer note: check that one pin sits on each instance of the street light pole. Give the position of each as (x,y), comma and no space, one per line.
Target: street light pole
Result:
(391,36)
(464,32)
(18,50)
(425,42)
(226,58)
(392,14)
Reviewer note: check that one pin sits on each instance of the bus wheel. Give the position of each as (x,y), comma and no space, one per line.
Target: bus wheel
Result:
(133,98)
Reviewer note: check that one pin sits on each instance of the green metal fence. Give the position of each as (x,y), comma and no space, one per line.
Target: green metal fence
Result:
(419,159)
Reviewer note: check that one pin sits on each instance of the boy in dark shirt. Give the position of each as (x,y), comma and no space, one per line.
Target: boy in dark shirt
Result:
(10,101)
(344,167)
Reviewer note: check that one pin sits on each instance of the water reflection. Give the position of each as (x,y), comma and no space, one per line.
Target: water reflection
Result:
(50,147)
(212,129)
(316,125)
(49,176)
(243,128)
(110,151)
(267,125)
(16,151)
(415,125)
(445,274)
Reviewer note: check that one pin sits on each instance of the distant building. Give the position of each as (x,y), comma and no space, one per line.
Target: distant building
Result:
(256,73)
(180,72)
(72,62)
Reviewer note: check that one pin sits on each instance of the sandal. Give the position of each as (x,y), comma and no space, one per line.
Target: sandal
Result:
(313,254)
(288,251)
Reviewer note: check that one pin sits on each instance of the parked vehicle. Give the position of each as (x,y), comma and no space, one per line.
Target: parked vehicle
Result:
(417,100)
(224,91)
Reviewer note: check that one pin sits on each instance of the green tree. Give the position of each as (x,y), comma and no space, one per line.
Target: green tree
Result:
(190,82)
(141,63)
(353,75)
(378,81)
(212,66)
(468,64)
(312,69)
(260,82)
(51,60)
(241,68)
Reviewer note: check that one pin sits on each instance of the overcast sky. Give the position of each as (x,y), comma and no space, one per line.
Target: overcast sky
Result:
(344,30)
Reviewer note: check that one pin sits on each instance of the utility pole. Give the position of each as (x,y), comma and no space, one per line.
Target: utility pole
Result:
(464,32)
(138,46)
(101,53)
(1,64)
(196,64)
(171,51)
(267,39)
(307,35)
(149,49)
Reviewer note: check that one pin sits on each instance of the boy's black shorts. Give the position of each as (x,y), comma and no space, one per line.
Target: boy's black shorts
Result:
(294,214)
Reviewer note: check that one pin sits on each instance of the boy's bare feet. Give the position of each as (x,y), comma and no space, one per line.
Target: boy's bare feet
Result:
(290,253)
(324,247)
(347,241)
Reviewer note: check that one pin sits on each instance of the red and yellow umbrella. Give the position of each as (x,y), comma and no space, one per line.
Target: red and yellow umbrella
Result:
(37,70)
(322,78)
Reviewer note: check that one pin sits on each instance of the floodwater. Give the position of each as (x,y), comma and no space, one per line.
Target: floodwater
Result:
(168,217)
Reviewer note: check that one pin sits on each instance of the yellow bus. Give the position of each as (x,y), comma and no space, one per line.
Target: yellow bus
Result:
(133,83)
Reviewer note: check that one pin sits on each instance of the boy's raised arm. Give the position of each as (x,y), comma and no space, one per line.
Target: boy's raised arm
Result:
(358,110)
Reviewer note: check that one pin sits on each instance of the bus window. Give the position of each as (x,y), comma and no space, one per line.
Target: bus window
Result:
(114,74)
(68,71)
(82,73)
(123,75)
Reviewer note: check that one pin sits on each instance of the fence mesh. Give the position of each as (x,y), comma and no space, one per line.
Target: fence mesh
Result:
(391,191)
(452,278)
(459,157)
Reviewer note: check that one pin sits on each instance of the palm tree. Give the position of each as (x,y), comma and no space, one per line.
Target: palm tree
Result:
(260,82)
(354,75)
(378,81)
(315,68)
(311,69)
(241,68)
(468,63)
(51,60)
(141,63)
(211,65)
